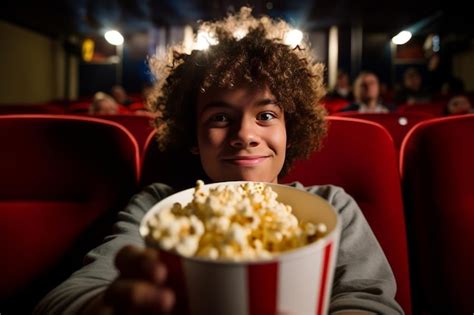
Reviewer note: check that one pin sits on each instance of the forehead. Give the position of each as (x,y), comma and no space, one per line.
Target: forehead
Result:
(369,78)
(238,97)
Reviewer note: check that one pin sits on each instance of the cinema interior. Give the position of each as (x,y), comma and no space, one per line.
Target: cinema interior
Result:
(236,157)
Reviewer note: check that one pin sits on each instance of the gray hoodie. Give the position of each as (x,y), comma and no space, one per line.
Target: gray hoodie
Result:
(363,279)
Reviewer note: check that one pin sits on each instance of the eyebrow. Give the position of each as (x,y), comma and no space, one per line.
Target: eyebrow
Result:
(263,102)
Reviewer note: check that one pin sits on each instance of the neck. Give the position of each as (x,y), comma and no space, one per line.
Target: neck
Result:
(370,102)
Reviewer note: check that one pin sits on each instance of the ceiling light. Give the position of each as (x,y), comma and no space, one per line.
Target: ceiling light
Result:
(239,33)
(401,38)
(293,38)
(204,40)
(114,37)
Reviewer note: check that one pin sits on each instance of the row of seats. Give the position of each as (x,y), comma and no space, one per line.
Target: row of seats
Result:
(435,108)
(64,178)
(77,107)
(398,123)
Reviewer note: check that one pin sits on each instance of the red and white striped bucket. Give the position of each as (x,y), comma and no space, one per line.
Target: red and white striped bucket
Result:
(297,282)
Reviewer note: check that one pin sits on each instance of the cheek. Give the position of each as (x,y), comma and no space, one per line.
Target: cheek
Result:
(214,137)
(277,139)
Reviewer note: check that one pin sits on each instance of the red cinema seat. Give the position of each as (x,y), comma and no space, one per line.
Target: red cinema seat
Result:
(437,166)
(179,169)
(137,106)
(397,124)
(436,109)
(360,156)
(17,109)
(81,107)
(63,178)
(334,105)
(139,126)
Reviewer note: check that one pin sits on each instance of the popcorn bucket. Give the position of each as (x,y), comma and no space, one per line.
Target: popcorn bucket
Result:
(298,281)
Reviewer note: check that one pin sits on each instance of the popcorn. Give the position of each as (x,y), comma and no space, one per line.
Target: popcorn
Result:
(231,222)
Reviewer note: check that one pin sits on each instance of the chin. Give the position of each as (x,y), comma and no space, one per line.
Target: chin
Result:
(245,176)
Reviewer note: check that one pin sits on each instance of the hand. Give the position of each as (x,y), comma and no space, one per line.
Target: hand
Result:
(139,289)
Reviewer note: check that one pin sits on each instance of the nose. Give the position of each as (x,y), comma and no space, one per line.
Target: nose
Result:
(245,135)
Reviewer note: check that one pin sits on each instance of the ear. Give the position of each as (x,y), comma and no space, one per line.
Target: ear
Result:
(194,150)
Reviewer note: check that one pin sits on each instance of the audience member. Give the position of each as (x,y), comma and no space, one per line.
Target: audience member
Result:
(103,104)
(343,88)
(367,95)
(412,90)
(459,105)
(120,95)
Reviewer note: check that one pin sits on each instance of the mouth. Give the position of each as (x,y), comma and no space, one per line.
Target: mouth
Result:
(247,160)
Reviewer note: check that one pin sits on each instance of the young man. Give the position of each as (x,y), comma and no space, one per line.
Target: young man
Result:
(366,95)
(248,107)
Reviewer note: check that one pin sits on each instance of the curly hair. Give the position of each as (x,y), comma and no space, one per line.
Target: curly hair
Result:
(259,57)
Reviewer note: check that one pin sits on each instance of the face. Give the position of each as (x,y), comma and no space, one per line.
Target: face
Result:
(119,94)
(459,105)
(241,134)
(413,81)
(107,107)
(343,81)
(369,87)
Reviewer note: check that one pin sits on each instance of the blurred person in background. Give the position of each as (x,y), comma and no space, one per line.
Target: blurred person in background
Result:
(246,108)
(366,95)
(103,104)
(343,88)
(412,90)
(459,105)
(120,95)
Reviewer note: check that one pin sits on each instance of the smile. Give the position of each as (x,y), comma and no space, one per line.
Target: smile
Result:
(245,160)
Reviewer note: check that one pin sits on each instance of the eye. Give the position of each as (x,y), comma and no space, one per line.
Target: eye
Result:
(219,118)
(266,116)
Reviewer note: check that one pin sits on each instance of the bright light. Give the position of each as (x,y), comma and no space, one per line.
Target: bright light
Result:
(293,38)
(204,40)
(240,33)
(114,37)
(403,121)
(401,38)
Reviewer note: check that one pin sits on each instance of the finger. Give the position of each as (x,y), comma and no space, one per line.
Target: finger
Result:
(129,296)
(134,262)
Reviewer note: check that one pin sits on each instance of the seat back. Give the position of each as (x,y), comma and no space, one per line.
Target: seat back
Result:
(334,105)
(79,107)
(139,126)
(397,124)
(437,172)
(359,156)
(436,109)
(179,169)
(62,178)
(16,109)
